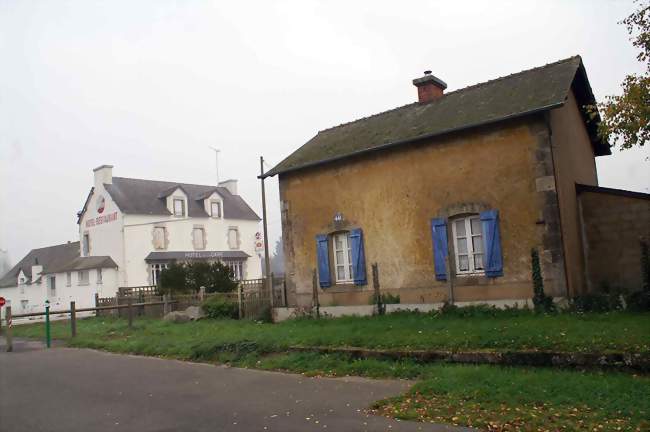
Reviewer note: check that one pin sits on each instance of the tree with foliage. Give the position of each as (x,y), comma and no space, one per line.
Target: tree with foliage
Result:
(542,302)
(626,118)
(190,277)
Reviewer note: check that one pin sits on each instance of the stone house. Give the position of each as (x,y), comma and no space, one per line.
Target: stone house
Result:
(448,195)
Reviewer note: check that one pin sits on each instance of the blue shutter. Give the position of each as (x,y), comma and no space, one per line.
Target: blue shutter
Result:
(322,253)
(439,237)
(358,257)
(493,261)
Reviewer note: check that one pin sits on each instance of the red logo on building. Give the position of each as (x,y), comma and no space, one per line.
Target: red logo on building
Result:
(101,203)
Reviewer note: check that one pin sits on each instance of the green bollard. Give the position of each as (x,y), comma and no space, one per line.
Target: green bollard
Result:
(48,339)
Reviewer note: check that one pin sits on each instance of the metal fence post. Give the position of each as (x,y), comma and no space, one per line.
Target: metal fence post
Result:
(130,312)
(73,319)
(10,346)
(96,303)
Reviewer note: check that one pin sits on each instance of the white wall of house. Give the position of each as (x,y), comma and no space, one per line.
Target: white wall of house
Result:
(104,229)
(31,298)
(139,241)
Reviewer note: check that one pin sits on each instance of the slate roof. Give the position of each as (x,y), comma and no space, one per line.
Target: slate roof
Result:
(136,196)
(85,263)
(49,257)
(515,95)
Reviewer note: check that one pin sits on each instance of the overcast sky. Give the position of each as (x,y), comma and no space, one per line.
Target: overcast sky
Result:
(147,86)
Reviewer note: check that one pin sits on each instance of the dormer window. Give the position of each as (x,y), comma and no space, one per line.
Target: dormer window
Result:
(179,207)
(215,209)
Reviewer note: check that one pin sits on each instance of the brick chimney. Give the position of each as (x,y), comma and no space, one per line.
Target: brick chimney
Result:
(429,87)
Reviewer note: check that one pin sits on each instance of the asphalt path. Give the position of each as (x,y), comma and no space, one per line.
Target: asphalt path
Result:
(66,389)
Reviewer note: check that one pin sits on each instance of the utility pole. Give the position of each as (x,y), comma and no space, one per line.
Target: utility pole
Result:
(267,260)
(216,160)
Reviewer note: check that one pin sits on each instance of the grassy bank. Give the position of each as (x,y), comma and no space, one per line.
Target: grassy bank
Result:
(488,397)
(515,330)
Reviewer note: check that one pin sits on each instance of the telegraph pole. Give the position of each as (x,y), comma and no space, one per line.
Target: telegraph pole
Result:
(267,261)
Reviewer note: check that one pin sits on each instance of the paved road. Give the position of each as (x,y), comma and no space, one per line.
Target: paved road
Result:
(64,389)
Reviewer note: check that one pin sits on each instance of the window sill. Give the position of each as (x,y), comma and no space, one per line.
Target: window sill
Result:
(83,284)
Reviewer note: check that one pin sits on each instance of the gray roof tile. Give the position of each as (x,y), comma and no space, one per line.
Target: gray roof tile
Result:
(515,95)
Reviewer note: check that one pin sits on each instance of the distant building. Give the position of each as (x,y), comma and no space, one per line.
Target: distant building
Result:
(145,225)
(59,275)
(449,194)
(5,264)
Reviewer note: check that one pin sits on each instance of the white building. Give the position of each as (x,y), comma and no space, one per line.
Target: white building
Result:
(145,225)
(59,275)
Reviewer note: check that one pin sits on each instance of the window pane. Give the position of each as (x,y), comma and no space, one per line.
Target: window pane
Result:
(339,257)
(478,262)
(460,228)
(476,226)
(339,242)
(340,272)
(477,244)
(462,245)
(463,263)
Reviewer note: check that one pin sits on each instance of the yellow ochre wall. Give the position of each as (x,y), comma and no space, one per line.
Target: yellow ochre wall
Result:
(393,195)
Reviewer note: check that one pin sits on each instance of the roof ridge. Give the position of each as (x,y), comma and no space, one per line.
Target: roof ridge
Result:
(169,182)
(53,246)
(480,84)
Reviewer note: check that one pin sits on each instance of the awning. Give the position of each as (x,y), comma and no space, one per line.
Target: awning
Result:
(196,255)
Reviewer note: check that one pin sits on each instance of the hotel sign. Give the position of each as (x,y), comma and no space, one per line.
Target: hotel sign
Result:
(100,220)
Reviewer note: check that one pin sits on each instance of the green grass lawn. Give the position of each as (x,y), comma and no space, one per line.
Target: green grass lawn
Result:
(516,330)
(489,397)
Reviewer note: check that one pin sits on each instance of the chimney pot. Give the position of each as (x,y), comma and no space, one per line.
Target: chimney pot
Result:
(429,87)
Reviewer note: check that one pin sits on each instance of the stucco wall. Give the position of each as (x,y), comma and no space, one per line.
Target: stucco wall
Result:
(392,195)
(574,162)
(612,228)
(138,235)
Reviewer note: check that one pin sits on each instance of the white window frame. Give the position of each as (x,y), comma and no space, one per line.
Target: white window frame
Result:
(219,209)
(100,277)
(471,253)
(51,285)
(68,279)
(182,212)
(24,304)
(86,244)
(237,239)
(163,243)
(155,269)
(83,281)
(203,242)
(237,268)
(346,262)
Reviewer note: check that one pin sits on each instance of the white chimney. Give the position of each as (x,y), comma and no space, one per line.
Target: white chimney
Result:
(231,185)
(103,175)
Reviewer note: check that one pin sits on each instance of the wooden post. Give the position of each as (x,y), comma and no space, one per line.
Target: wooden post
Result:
(284,292)
(73,319)
(450,282)
(239,296)
(130,311)
(10,346)
(267,257)
(165,305)
(96,303)
(375,285)
(314,283)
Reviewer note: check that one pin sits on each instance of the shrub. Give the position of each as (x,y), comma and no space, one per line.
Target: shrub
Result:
(217,307)
(181,278)
(638,301)
(596,302)
(542,302)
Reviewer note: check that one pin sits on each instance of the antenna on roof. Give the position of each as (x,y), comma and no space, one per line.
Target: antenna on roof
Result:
(216,160)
